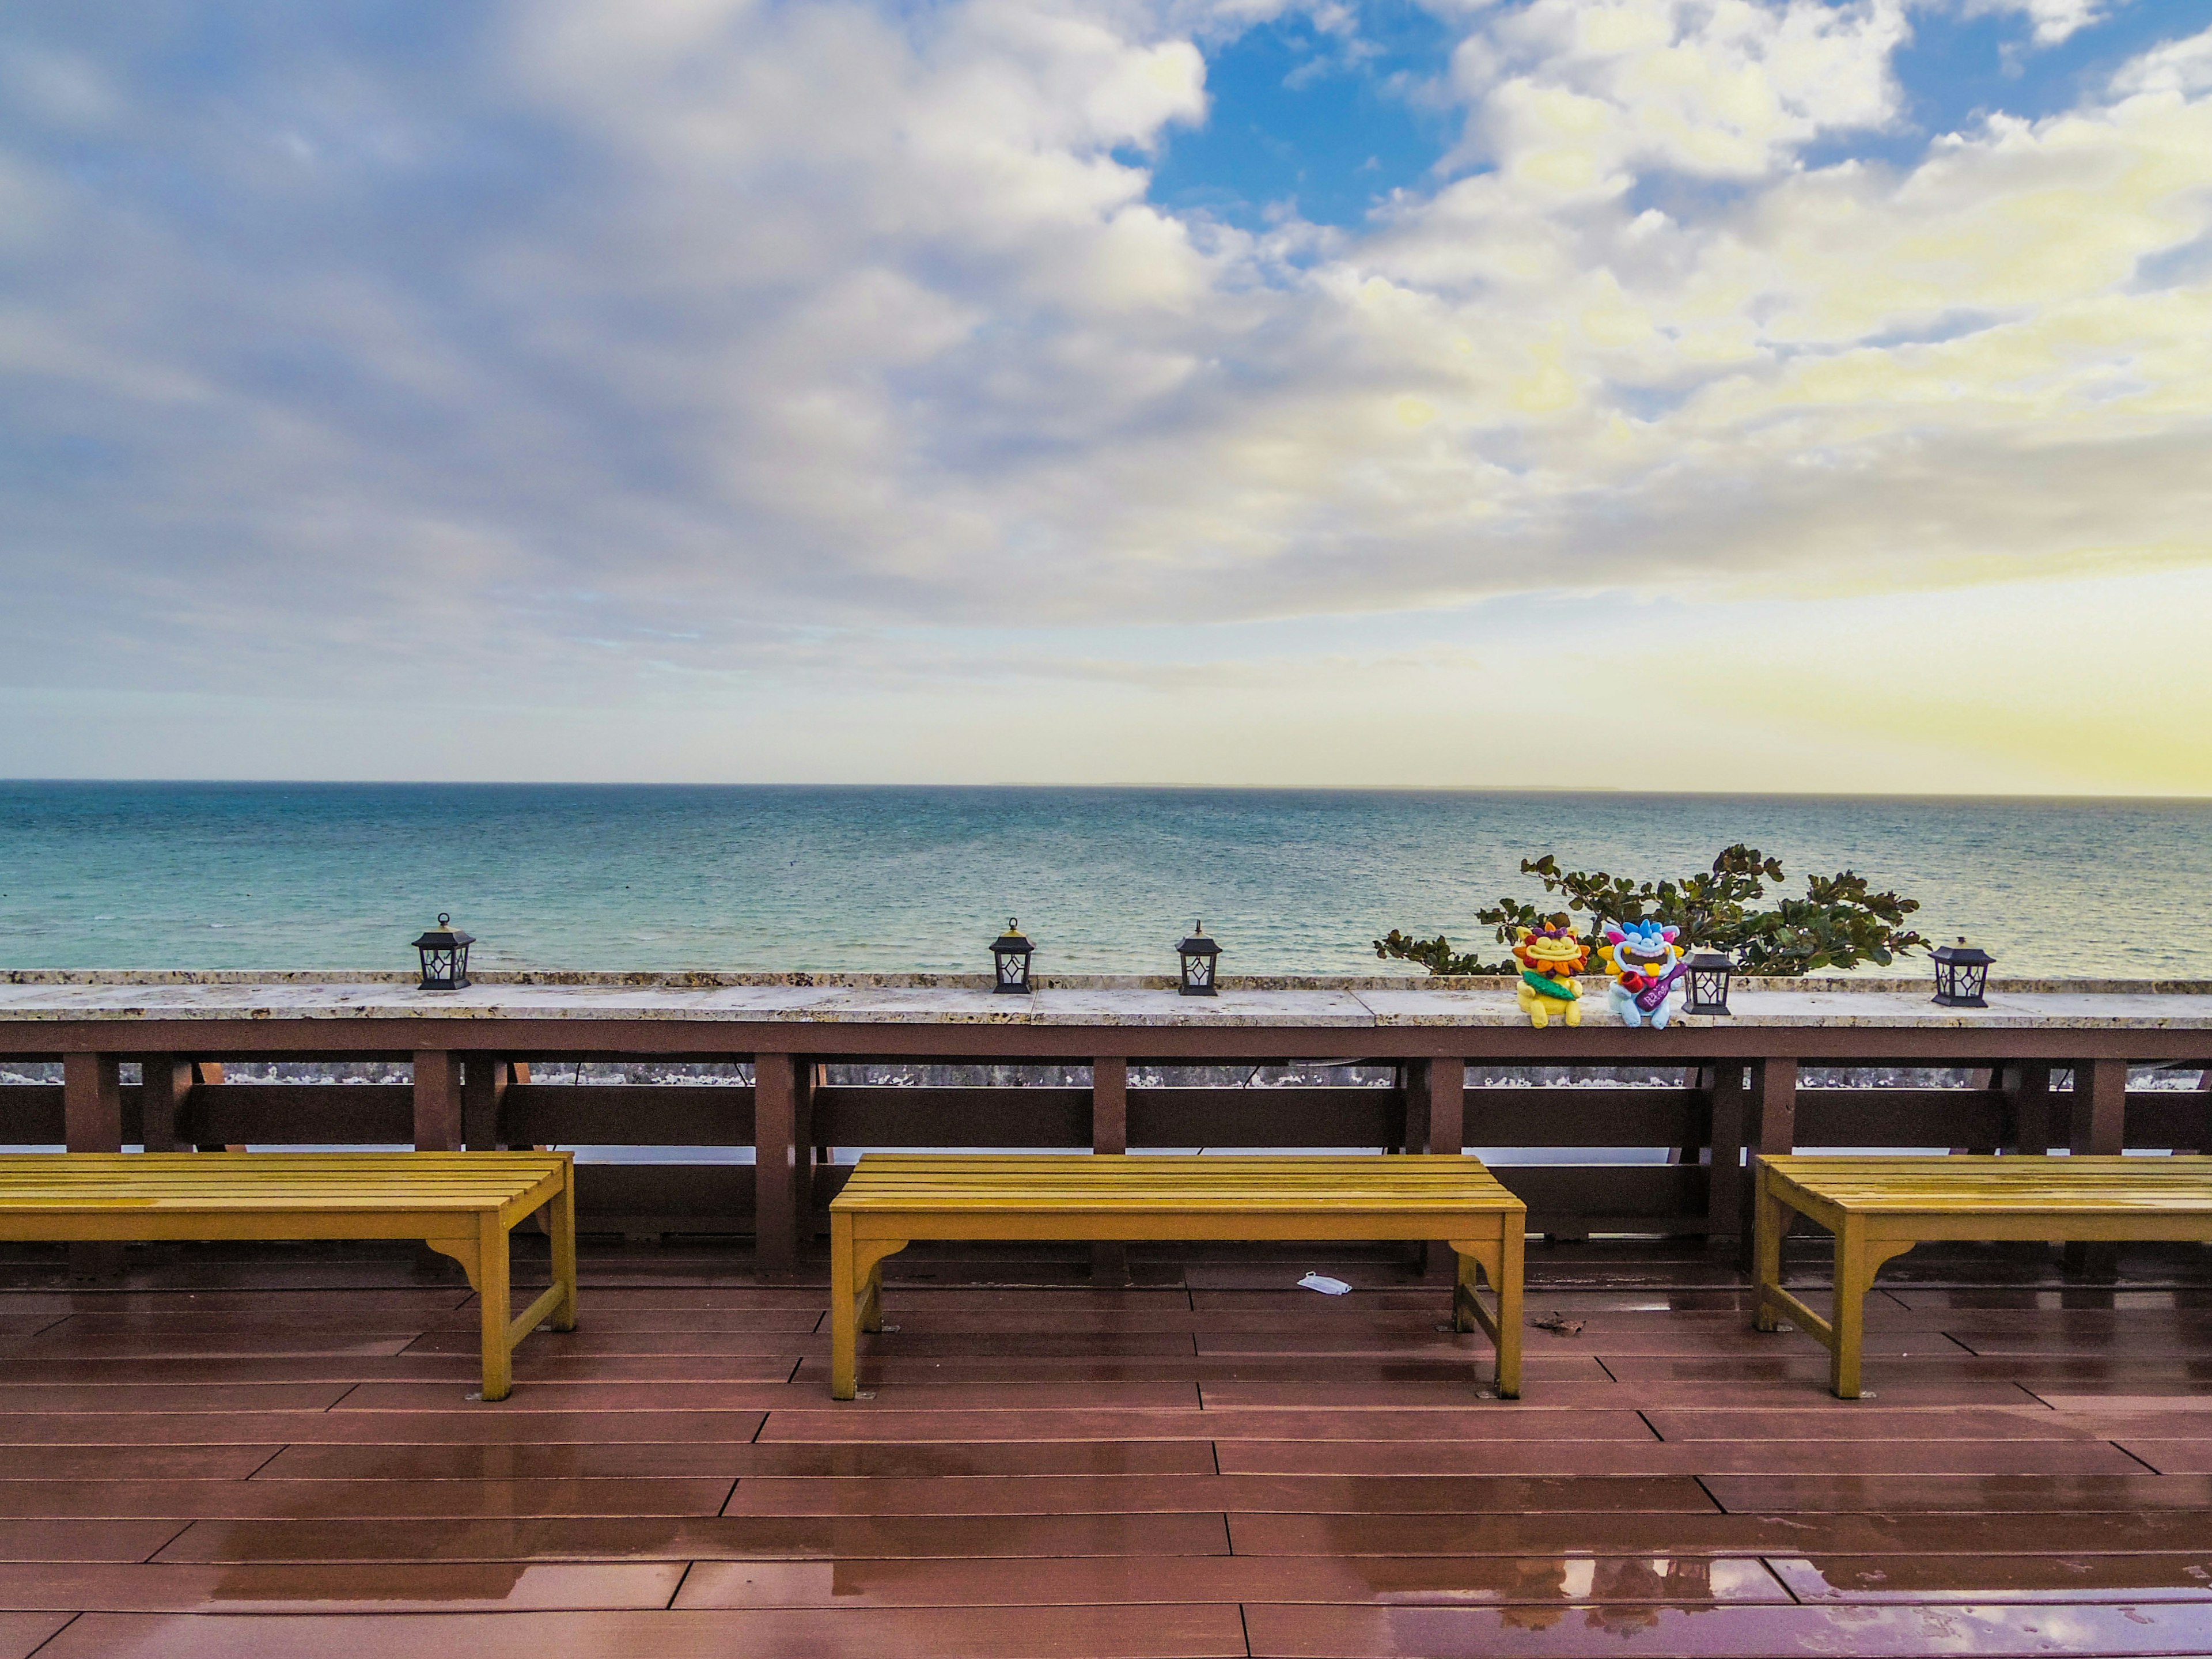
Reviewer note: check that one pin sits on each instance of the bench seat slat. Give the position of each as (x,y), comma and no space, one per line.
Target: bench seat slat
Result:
(2001,1186)
(1174,1183)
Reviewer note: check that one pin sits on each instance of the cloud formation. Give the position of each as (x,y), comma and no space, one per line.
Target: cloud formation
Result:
(564,347)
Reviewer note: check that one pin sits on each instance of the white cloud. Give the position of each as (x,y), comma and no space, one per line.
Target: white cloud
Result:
(1577,93)
(2182,67)
(2053,20)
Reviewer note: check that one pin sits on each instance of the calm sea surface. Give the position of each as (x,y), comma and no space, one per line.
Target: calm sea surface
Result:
(1105,880)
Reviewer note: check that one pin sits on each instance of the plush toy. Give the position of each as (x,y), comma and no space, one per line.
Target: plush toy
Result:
(1647,970)
(1550,958)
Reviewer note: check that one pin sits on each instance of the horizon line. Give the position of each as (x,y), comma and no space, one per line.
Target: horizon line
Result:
(1132,787)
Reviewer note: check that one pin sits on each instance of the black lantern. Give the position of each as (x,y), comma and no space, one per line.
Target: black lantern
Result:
(1199,956)
(1708,973)
(445,950)
(1009,959)
(1962,973)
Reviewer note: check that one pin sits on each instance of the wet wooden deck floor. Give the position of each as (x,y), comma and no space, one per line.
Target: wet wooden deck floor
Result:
(278,1456)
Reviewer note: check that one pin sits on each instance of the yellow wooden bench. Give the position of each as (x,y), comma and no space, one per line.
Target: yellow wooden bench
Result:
(892,1199)
(463,1204)
(1879,1207)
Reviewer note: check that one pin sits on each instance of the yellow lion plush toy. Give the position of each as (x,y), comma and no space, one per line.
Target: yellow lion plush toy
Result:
(1550,957)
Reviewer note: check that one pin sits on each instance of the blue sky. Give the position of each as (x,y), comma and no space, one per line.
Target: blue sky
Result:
(1326,122)
(971,391)
(1330,121)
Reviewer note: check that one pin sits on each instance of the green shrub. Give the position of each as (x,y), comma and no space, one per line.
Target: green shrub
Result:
(1838,923)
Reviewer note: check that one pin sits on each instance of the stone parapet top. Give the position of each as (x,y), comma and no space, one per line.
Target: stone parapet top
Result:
(967,1000)
(702,979)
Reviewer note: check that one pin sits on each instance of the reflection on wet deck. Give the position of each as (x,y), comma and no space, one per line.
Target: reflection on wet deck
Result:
(1204,1461)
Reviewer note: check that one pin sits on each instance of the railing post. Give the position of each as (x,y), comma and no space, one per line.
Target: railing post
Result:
(1110,1106)
(484,1091)
(164,1096)
(783,1145)
(2097,1125)
(2025,1087)
(92,1122)
(1726,1179)
(92,1102)
(1436,1123)
(1979,1080)
(2097,1128)
(207,1073)
(437,1101)
(1109,1138)
(1773,1112)
(813,1077)
(1444,1086)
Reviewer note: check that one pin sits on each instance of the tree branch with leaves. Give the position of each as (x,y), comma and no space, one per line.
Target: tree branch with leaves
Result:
(1840,922)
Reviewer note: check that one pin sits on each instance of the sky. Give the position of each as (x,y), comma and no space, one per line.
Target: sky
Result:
(1696,394)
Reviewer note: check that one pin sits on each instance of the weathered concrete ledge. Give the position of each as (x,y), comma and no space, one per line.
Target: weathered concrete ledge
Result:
(717,978)
(965,999)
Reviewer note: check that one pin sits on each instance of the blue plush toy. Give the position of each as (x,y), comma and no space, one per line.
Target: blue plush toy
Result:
(1647,970)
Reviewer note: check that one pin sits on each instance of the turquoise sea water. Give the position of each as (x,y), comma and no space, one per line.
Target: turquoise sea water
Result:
(342,876)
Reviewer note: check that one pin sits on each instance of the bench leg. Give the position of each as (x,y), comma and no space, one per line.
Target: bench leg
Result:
(871,1299)
(1512,1250)
(1849,1316)
(844,1312)
(1501,1262)
(564,1253)
(1769,1222)
(492,1294)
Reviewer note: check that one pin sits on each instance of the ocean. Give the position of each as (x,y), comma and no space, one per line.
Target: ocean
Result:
(280,875)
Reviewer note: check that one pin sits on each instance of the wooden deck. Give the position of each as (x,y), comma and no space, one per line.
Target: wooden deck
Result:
(269,1454)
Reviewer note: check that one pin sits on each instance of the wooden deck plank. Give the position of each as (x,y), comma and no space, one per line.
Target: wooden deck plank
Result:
(836,1461)
(1446,1580)
(1705,1457)
(1461,1370)
(2186,1575)
(355,1428)
(1149,1632)
(112,1463)
(1869,1421)
(2192,1456)
(108,1398)
(2161,1531)
(1867,1632)
(980,1398)
(550,1364)
(23,1634)
(369,1499)
(83,1541)
(1775,1494)
(1214,1493)
(324,1587)
(700,1538)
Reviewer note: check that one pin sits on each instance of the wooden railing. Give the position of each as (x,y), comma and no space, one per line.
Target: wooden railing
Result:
(477,1100)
